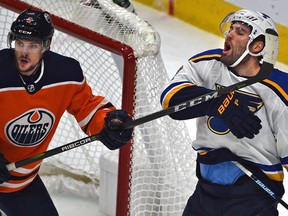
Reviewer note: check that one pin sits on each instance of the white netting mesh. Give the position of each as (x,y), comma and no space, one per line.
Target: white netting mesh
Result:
(162,160)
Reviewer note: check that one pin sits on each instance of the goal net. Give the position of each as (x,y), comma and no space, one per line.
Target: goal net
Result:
(119,54)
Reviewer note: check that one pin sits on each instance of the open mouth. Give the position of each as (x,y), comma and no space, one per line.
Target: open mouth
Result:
(22,63)
(227,48)
(23,60)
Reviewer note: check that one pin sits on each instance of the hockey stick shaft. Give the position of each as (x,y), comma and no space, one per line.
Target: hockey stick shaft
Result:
(261,184)
(52,152)
(270,57)
(266,68)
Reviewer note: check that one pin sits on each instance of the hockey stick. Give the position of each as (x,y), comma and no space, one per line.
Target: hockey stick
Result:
(261,184)
(270,57)
(49,153)
(267,67)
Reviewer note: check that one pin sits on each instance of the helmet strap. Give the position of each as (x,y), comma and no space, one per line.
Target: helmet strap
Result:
(247,51)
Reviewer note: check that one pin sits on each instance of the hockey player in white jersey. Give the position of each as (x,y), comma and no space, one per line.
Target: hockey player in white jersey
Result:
(247,125)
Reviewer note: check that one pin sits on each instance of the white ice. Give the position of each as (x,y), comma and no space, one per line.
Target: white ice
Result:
(179,42)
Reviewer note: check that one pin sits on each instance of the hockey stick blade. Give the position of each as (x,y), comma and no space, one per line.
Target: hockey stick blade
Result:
(269,60)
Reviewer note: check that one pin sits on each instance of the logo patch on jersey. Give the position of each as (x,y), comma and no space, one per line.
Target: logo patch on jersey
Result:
(31,128)
(254,103)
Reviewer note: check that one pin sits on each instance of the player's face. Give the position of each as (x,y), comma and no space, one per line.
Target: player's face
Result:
(235,43)
(28,54)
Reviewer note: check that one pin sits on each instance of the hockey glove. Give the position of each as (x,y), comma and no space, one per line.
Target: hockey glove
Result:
(4,173)
(111,135)
(235,114)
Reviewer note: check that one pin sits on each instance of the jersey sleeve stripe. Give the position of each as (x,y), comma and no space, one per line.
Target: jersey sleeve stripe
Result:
(91,114)
(277,89)
(172,90)
(206,57)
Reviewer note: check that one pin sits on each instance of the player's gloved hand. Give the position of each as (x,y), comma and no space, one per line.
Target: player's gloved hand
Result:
(4,173)
(235,114)
(111,135)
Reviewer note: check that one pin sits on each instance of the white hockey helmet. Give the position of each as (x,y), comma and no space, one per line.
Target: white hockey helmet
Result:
(259,22)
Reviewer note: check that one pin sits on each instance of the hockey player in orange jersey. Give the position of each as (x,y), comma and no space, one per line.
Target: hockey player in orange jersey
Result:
(36,87)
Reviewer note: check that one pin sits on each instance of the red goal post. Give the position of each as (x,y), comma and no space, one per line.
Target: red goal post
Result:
(155,172)
(128,89)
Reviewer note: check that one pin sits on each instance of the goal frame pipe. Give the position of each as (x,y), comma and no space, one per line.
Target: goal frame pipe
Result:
(118,48)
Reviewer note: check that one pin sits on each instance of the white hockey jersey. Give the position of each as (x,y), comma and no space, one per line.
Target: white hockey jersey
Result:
(267,99)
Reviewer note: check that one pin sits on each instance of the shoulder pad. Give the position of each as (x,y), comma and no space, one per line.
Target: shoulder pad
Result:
(277,81)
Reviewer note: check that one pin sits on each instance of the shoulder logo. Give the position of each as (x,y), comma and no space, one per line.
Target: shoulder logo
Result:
(47,17)
(30,128)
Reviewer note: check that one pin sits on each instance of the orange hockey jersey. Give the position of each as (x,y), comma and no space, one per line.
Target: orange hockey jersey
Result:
(31,107)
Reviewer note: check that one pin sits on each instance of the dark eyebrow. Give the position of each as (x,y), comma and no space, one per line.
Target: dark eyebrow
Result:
(29,41)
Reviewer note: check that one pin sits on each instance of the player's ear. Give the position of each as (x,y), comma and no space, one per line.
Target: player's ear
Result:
(257,45)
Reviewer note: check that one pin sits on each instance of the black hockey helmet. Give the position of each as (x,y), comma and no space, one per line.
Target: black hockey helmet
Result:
(32,25)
